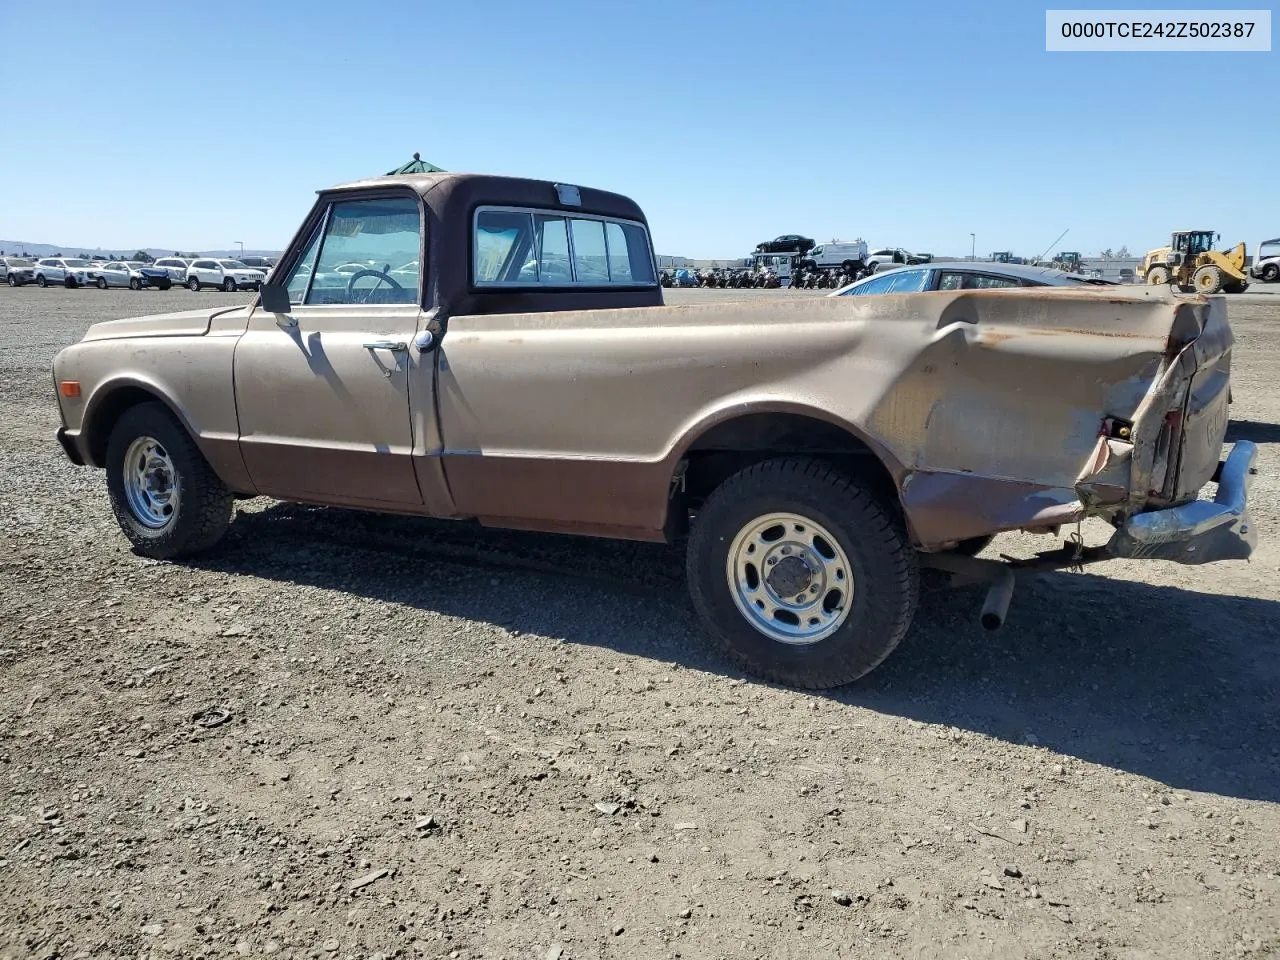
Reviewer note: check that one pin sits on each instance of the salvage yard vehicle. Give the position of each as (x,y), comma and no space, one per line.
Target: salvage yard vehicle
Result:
(965,275)
(133,274)
(227,275)
(1266,262)
(1191,263)
(816,452)
(17,271)
(68,271)
(176,267)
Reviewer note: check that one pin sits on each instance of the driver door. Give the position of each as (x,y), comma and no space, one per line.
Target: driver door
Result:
(322,393)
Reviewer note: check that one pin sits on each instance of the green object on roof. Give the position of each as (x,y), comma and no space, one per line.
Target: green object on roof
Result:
(416,165)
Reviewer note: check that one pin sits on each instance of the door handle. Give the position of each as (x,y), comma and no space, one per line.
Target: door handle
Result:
(396,346)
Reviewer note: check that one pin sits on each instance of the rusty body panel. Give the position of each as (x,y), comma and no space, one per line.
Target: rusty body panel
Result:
(576,410)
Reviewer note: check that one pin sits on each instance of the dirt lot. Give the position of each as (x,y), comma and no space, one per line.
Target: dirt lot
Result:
(450,744)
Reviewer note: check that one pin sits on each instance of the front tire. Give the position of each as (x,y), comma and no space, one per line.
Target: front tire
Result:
(1207,280)
(165,284)
(800,575)
(1157,276)
(165,496)
(228,285)
(13,280)
(135,283)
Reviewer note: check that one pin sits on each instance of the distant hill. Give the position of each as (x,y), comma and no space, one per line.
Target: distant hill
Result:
(17,247)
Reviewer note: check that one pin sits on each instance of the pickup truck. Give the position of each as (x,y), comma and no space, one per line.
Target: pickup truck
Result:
(502,355)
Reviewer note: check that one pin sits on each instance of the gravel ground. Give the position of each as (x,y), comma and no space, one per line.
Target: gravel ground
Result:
(444,743)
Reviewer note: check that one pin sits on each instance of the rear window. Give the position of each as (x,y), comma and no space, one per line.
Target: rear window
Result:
(531,248)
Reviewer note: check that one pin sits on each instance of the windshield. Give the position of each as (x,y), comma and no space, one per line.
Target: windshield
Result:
(233,265)
(76,263)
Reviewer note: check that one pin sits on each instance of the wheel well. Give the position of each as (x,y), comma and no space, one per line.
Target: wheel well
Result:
(107,413)
(735,444)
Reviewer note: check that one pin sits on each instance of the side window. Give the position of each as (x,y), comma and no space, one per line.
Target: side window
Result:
(590,261)
(302,270)
(979,281)
(951,280)
(383,239)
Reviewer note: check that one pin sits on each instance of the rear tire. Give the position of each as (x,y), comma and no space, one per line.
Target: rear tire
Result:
(866,608)
(200,503)
(41,281)
(193,284)
(165,284)
(13,280)
(102,283)
(1270,273)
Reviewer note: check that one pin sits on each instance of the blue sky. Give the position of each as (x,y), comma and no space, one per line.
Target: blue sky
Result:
(912,124)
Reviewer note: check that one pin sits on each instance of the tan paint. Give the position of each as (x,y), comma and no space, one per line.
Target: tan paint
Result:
(984,406)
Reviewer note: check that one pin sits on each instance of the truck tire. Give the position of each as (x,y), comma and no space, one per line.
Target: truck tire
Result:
(800,575)
(1207,280)
(165,496)
(1158,276)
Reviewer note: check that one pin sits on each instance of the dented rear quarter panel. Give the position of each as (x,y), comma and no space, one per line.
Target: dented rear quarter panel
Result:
(985,406)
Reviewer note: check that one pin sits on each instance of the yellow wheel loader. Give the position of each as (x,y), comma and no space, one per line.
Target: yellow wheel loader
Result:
(1194,266)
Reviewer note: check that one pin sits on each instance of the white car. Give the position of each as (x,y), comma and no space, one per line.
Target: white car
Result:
(228,275)
(68,271)
(17,271)
(176,267)
(133,274)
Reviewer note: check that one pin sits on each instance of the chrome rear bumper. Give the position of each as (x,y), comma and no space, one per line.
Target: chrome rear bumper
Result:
(1202,531)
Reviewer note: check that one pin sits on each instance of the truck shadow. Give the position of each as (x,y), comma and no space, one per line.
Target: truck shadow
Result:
(1253,430)
(1162,682)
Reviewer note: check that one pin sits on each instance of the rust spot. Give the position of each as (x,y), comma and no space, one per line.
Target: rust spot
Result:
(994,336)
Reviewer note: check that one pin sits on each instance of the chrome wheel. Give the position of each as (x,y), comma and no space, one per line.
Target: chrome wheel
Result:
(790,578)
(150,483)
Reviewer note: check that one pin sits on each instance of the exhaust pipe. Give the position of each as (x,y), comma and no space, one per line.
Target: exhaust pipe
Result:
(996,607)
(964,570)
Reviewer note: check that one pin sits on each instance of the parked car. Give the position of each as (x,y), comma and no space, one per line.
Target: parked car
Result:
(175,267)
(17,271)
(1266,262)
(787,243)
(887,255)
(965,275)
(815,456)
(68,271)
(226,275)
(258,263)
(133,274)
